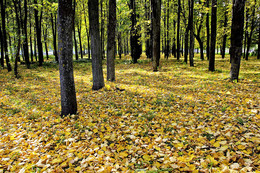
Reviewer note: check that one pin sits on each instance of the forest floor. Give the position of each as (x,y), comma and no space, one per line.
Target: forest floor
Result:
(180,119)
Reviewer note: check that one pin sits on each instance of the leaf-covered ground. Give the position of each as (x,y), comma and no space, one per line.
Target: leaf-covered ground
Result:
(176,120)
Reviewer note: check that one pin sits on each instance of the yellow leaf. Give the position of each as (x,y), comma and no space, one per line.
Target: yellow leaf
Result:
(95,130)
(123,154)
(241,147)
(146,157)
(157,148)
(216,144)
(78,168)
(57,160)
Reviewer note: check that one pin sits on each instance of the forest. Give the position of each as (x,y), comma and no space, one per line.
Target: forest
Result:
(130,86)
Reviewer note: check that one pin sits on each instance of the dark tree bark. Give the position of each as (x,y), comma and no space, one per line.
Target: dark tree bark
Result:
(31,43)
(80,42)
(253,25)
(156,23)
(9,67)
(18,23)
(111,33)
(54,34)
(74,31)
(75,44)
(38,34)
(258,54)
(186,45)
(97,71)
(213,36)
(236,37)
(25,41)
(173,43)
(120,48)
(208,33)
(148,42)
(223,50)
(191,52)
(178,29)
(246,32)
(45,42)
(2,47)
(65,47)
(136,49)
(102,29)
(167,46)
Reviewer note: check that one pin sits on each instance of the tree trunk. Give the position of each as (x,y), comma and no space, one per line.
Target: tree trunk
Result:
(156,20)
(54,34)
(236,37)
(2,47)
(38,34)
(97,71)
(223,50)
(178,30)
(208,33)
(213,35)
(111,32)
(87,31)
(246,32)
(120,49)
(45,42)
(191,56)
(25,42)
(167,53)
(75,44)
(18,23)
(9,67)
(258,54)
(31,43)
(80,43)
(186,45)
(251,33)
(136,48)
(65,47)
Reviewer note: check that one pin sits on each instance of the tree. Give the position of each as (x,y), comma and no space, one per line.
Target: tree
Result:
(38,34)
(258,54)
(25,41)
(191,6)
(111,34)
(156,23)
(236,37)
(207,28)
(178,30)
(65,47)
(5,46)
(213,36)
(97,71)
(136,48)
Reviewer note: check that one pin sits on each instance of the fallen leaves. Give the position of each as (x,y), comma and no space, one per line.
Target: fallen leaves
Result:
(181,119)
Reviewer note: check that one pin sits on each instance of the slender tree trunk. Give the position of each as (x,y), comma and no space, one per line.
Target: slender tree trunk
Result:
(250,33)
(246,33)
(31,43)
(18,23)
(186,45)
(9,67)
(120,48)
(102,29)
(80,43)
(191,56)
(2,48)
(38,34)
(167,31)
(87,31)
(45,42)
(236,37)
(111,32)
(54,34)
(35,46)
(136,49)
(258,55)
(65,47)
(223,52)
(178,30)
(156,16)
(213,35)
(97,71)
(75,44)
(208,33)
(25,42)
